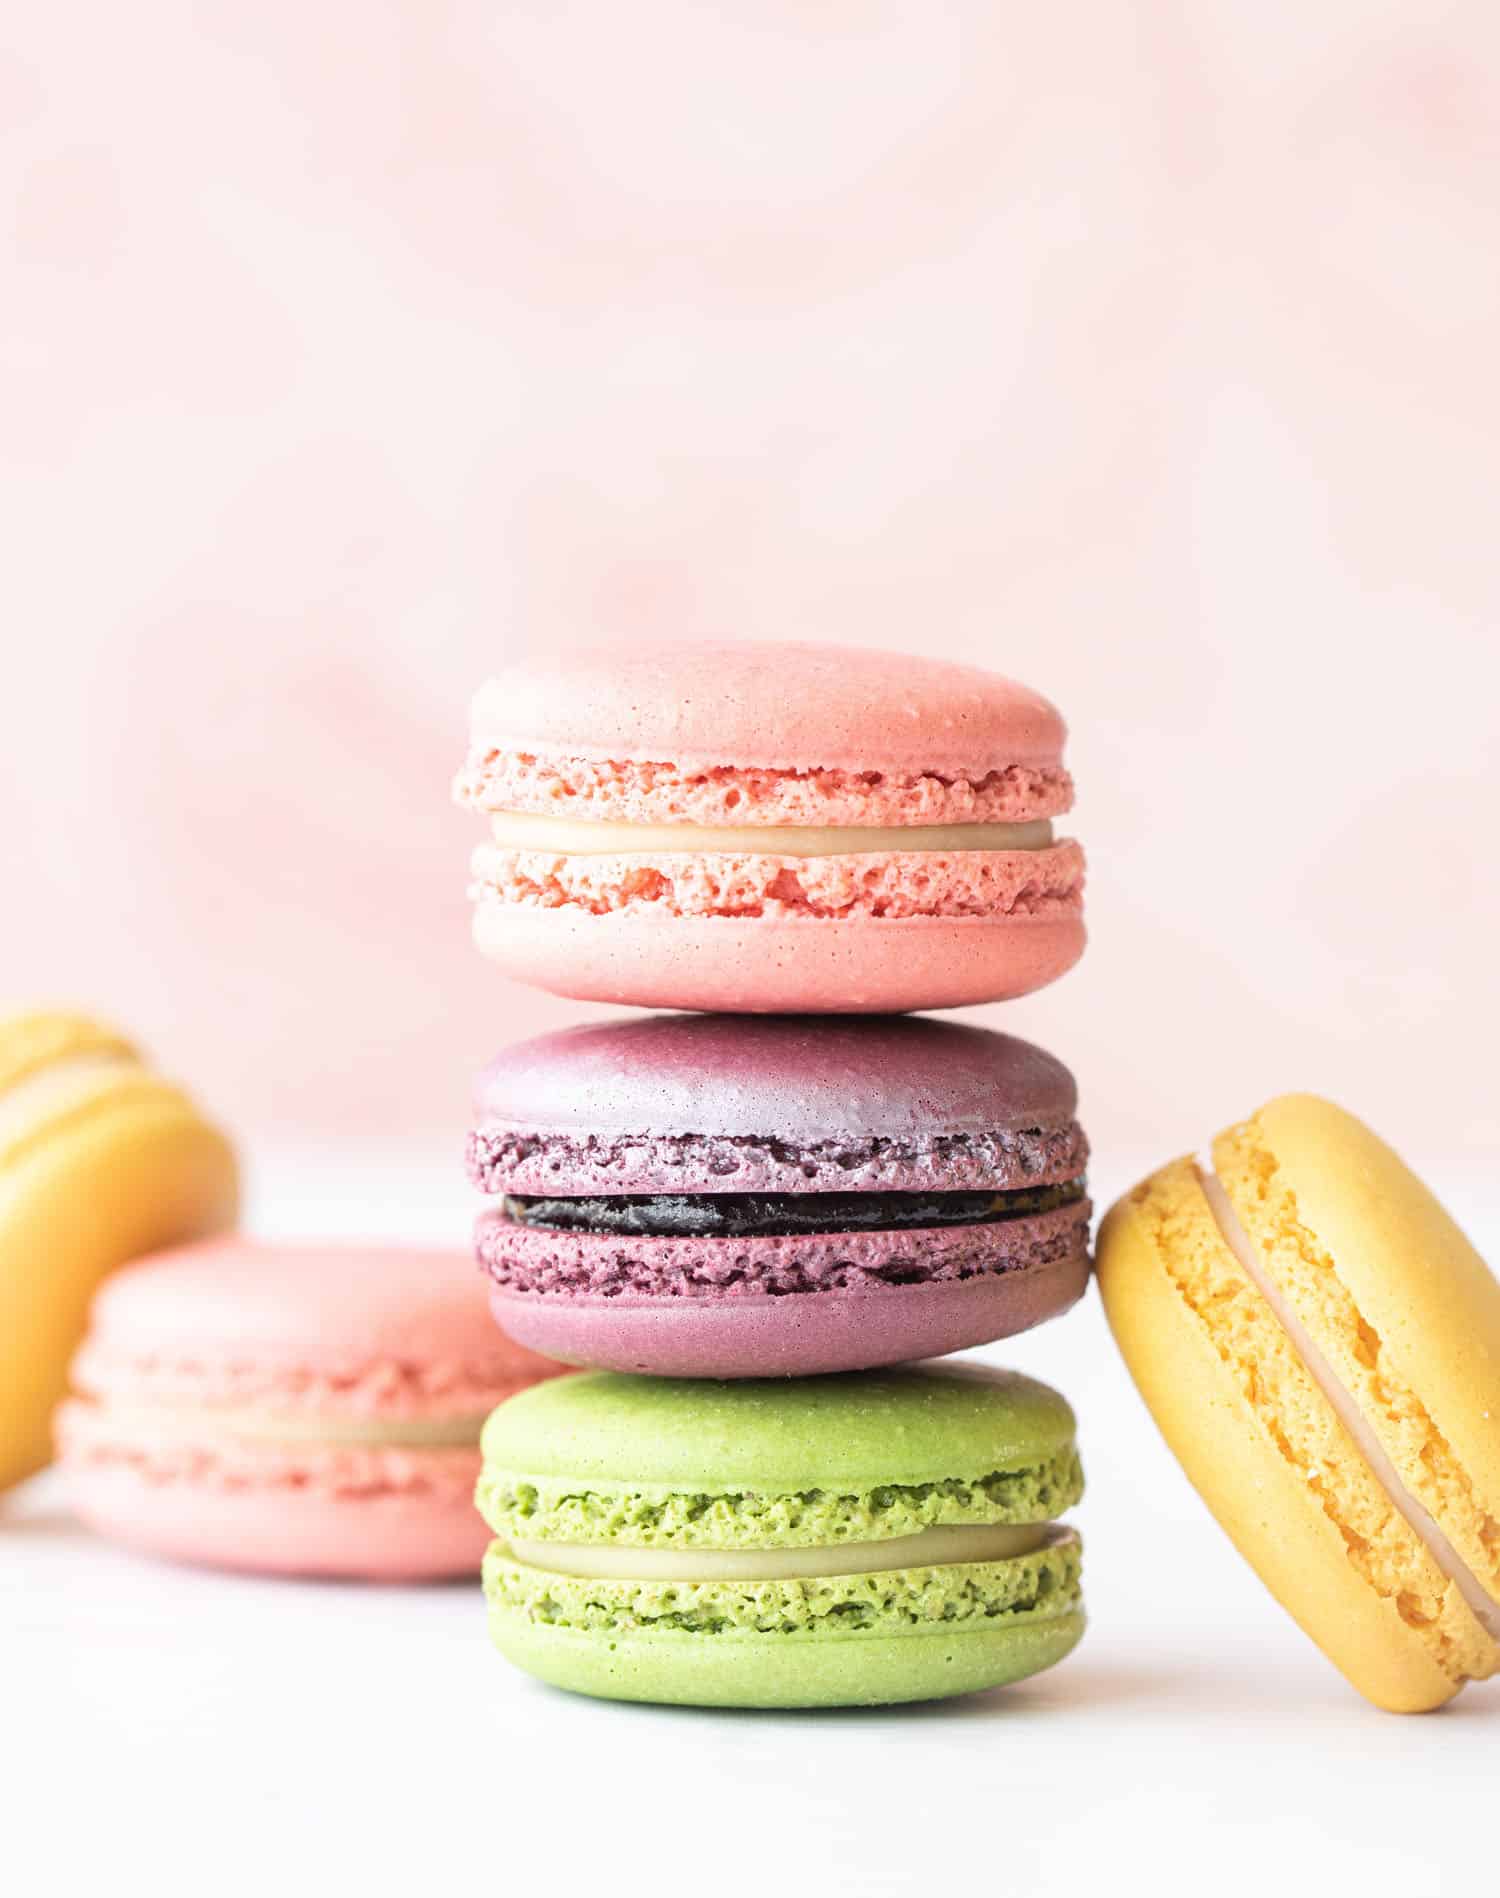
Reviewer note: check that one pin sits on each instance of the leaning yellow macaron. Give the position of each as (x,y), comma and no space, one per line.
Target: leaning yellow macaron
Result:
(1320,1346)
(100,1160)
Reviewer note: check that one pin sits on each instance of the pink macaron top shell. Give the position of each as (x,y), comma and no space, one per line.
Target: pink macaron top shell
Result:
(379,1332)
(756,1103)
(743,734)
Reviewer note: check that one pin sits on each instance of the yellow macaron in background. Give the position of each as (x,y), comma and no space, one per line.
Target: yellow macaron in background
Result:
(100,1160)
(1320,1346)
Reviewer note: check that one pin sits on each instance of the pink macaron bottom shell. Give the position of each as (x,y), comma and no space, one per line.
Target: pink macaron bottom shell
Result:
(381,1512)
(801,1335)
(407,1535)
(884,885)
(783,964)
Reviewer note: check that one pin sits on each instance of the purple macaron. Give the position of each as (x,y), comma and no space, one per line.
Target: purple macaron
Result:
(758,1196)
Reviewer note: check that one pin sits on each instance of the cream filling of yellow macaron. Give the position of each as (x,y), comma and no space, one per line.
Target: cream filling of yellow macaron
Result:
(560,836)
(187,1423)
(1484,1607)
(930,1548)
(46,1094)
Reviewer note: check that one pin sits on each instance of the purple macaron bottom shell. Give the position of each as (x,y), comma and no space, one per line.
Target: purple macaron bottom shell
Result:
(793,1335)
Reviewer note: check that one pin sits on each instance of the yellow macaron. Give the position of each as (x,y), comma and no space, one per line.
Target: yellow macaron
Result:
(1320,1346)
(100,1160)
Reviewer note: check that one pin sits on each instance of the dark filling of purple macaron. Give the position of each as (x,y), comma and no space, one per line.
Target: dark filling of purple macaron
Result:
(739,1215)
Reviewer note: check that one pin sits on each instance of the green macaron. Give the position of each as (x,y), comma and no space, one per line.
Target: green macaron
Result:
(820,1541)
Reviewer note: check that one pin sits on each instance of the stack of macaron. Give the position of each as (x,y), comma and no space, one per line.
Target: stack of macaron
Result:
(761,1223)
(740,1220)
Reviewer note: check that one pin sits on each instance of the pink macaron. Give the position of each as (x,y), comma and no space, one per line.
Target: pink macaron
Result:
(756,1196)
(771,828)
(296,1409)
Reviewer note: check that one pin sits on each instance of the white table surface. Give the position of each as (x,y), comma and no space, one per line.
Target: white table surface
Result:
(171,1731)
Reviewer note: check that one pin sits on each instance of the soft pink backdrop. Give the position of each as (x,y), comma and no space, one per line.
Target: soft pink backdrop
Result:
(1148,353)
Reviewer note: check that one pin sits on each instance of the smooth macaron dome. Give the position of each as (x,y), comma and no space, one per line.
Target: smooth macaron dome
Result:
(303,1409)
(101,1159)
(742,1196)
(819,1541)
(1320,1345)
(770,827)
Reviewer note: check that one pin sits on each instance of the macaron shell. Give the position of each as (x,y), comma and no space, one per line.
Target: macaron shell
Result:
(813,1332)
(912,1634)
(1266,1451)
(44,1037)
(135,1172)
(733,886)
(687,1670)
(767,965)
(797,1078)
(241,1313)
(784,1305)
(916,1425)
(311,1529)
(1399,1302)
(608,1268)
(704,705)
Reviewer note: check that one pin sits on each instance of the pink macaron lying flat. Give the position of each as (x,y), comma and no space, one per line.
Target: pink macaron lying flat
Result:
(772,828)
(733,1196)
(297,1409)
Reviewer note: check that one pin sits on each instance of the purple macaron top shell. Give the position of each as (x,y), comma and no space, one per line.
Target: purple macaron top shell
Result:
(709,1103)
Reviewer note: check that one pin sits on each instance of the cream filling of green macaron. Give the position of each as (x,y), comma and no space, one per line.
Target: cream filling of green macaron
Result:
(560,836)
(48,1093)
(1483,1606)
(930,1548)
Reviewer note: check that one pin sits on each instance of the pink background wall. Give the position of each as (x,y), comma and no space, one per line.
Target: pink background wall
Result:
(1148,353)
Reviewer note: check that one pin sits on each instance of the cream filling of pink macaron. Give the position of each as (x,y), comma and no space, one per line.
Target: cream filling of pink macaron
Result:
(188,1424)
(929,1548)
(48,1093)
(564,837)
(1484,1607)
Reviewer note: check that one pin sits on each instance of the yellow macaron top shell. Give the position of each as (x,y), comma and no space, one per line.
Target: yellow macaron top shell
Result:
(101,1160)
(1248,1420)
(38,1038)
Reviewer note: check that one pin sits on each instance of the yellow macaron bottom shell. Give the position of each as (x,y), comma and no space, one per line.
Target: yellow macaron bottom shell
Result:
(1268,1452)
(526,830)
(122,1166)
(1355,1421)
(1408,1318)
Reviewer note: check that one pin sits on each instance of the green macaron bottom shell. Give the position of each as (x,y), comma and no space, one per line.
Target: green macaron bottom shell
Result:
(847,1640)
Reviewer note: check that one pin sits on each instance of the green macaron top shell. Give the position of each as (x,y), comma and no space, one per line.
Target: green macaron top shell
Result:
(777,1463)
